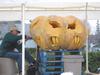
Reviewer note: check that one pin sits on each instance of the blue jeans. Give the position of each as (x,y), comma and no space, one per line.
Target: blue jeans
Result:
(16,56)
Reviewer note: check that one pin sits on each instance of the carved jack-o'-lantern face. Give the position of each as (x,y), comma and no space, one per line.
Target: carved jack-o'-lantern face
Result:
(55,32)
(76,33)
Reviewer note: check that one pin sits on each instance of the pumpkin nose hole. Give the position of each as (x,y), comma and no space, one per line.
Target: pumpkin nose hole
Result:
(71,26)
(54,24)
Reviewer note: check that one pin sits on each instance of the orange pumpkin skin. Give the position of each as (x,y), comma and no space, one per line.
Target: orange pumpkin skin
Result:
(55,32)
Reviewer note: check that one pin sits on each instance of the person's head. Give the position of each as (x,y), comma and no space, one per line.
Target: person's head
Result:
(14,30)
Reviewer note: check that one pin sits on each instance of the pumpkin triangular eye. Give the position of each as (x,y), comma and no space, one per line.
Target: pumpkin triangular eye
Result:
(54,24)
(71,26)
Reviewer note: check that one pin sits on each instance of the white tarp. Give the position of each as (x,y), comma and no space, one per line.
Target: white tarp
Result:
(12,11)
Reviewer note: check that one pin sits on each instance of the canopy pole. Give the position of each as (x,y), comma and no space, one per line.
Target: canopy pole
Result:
(23,36)
(87,62)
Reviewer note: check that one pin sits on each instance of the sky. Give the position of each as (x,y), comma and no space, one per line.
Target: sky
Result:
(92,25)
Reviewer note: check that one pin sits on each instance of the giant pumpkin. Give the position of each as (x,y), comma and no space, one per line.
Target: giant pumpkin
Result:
(55,32)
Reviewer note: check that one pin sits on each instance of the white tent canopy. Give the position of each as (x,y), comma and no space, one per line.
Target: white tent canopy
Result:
(12,11)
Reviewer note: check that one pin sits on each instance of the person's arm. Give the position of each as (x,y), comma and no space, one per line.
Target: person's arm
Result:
(19,47)
(13,38)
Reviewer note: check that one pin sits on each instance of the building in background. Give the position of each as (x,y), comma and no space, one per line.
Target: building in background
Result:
(94,39)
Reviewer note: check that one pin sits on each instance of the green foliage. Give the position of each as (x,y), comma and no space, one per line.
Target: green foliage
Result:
(32,51)
(94,61)
(71,53)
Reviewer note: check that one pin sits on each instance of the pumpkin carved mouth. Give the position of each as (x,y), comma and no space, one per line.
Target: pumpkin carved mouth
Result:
(54,40)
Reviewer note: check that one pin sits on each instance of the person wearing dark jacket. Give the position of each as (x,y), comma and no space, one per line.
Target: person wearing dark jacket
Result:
(8,46)
(10,43)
